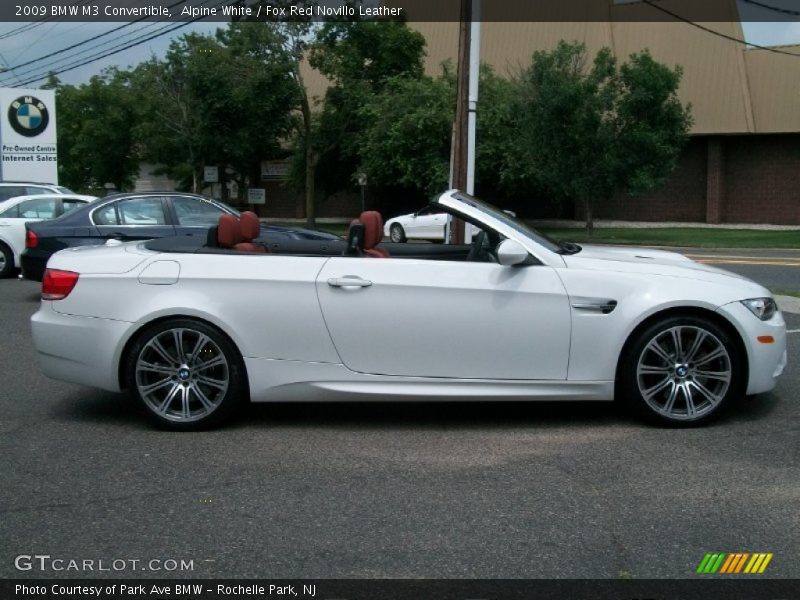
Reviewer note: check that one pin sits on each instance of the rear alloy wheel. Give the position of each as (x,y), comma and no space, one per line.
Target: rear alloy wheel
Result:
(682,371)
(6,261)
(396,233)
(186,374)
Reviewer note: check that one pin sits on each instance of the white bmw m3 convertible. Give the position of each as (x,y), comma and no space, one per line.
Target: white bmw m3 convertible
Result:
(193,327)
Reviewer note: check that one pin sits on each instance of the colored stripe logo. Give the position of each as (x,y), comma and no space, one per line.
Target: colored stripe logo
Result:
(734,563)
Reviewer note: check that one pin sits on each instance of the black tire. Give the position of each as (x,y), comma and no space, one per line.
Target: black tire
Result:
(695,390)
(397,234)
(188,382)
(6,261)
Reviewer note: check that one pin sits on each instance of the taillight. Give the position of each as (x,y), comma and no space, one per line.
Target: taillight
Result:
(57,285)
(31,239)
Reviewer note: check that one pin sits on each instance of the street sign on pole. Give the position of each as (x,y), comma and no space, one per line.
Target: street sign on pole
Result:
(211,174)
(256,196)
(362,182)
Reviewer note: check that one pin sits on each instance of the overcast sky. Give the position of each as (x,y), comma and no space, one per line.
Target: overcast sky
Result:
(43,38)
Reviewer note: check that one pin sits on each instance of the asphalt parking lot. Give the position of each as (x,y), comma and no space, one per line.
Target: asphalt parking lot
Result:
(392,490)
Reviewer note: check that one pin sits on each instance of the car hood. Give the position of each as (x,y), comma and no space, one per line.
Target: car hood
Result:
(644,260)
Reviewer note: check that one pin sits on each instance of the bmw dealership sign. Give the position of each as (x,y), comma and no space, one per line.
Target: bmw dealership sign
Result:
(28,135)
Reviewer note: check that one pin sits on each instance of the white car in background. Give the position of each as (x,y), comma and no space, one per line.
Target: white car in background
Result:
(426,224)
(193,325)
(12,189)
(15,212)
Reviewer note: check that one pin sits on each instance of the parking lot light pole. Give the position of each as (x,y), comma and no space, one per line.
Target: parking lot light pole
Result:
(362,183)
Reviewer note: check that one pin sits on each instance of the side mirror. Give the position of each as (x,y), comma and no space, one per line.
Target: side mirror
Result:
(510,253)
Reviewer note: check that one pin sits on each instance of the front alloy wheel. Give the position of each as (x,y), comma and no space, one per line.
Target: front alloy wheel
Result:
(6,261)
(396,233)
(684,371)
(186,374)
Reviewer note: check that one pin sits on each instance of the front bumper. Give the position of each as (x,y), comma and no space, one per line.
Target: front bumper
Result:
(84,350)
(766,362)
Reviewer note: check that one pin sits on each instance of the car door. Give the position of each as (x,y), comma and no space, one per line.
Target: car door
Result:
(193,215)
(446,319)
(426,224)
(136,218)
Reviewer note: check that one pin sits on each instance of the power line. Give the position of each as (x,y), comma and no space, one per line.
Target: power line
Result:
(85,57)
(165,29)
(59,62)
(126,46)
(37,23)
(777,9)
(88,40)
(718,33)
(8,68)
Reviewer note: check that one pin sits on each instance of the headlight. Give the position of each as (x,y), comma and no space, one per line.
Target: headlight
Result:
(763,308)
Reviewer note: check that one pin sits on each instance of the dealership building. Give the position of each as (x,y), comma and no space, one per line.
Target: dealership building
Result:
(742,163)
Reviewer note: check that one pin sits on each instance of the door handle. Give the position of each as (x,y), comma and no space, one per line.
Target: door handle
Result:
(117,236)
(348,281)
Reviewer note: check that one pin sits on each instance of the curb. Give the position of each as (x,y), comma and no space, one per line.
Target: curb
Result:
(788,304)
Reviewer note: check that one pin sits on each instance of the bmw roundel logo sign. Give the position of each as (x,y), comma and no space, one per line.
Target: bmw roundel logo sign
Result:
(28,116)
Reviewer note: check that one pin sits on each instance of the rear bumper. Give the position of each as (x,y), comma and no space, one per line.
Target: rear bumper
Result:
(33,266)
(82,350)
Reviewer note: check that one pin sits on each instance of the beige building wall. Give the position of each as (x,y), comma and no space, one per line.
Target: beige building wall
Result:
(774,81)
(732,90)
(715,72)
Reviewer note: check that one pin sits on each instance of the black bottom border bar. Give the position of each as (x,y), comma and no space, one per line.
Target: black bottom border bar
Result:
(402,589)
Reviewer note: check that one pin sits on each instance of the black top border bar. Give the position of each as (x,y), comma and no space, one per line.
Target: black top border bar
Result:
(23,11)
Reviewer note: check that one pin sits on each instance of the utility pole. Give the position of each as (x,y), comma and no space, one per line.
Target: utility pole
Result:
(463,150)
(461,135)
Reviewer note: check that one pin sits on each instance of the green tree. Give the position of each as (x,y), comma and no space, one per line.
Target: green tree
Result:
(215,100)
(587,131)
(95,139)
(359,59)
(407,131)
(406,139)
(291,40)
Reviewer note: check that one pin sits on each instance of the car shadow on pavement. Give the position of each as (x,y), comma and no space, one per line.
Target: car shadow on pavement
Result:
(461,415)
(121,410)
(751,408)
(95,406)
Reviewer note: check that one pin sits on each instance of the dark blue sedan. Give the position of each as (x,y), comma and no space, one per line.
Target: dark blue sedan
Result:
(137,216)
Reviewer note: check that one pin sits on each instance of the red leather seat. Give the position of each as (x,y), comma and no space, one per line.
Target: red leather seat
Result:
(373,234)
(250,229)
(229,231)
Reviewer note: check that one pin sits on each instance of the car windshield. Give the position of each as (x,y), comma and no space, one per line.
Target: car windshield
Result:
(512,221)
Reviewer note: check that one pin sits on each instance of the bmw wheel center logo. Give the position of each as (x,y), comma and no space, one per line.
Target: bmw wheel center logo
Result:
(28,116)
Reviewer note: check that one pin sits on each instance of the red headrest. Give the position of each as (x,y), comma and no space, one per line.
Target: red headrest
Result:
(251,226)
(373,228)
(229,232)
